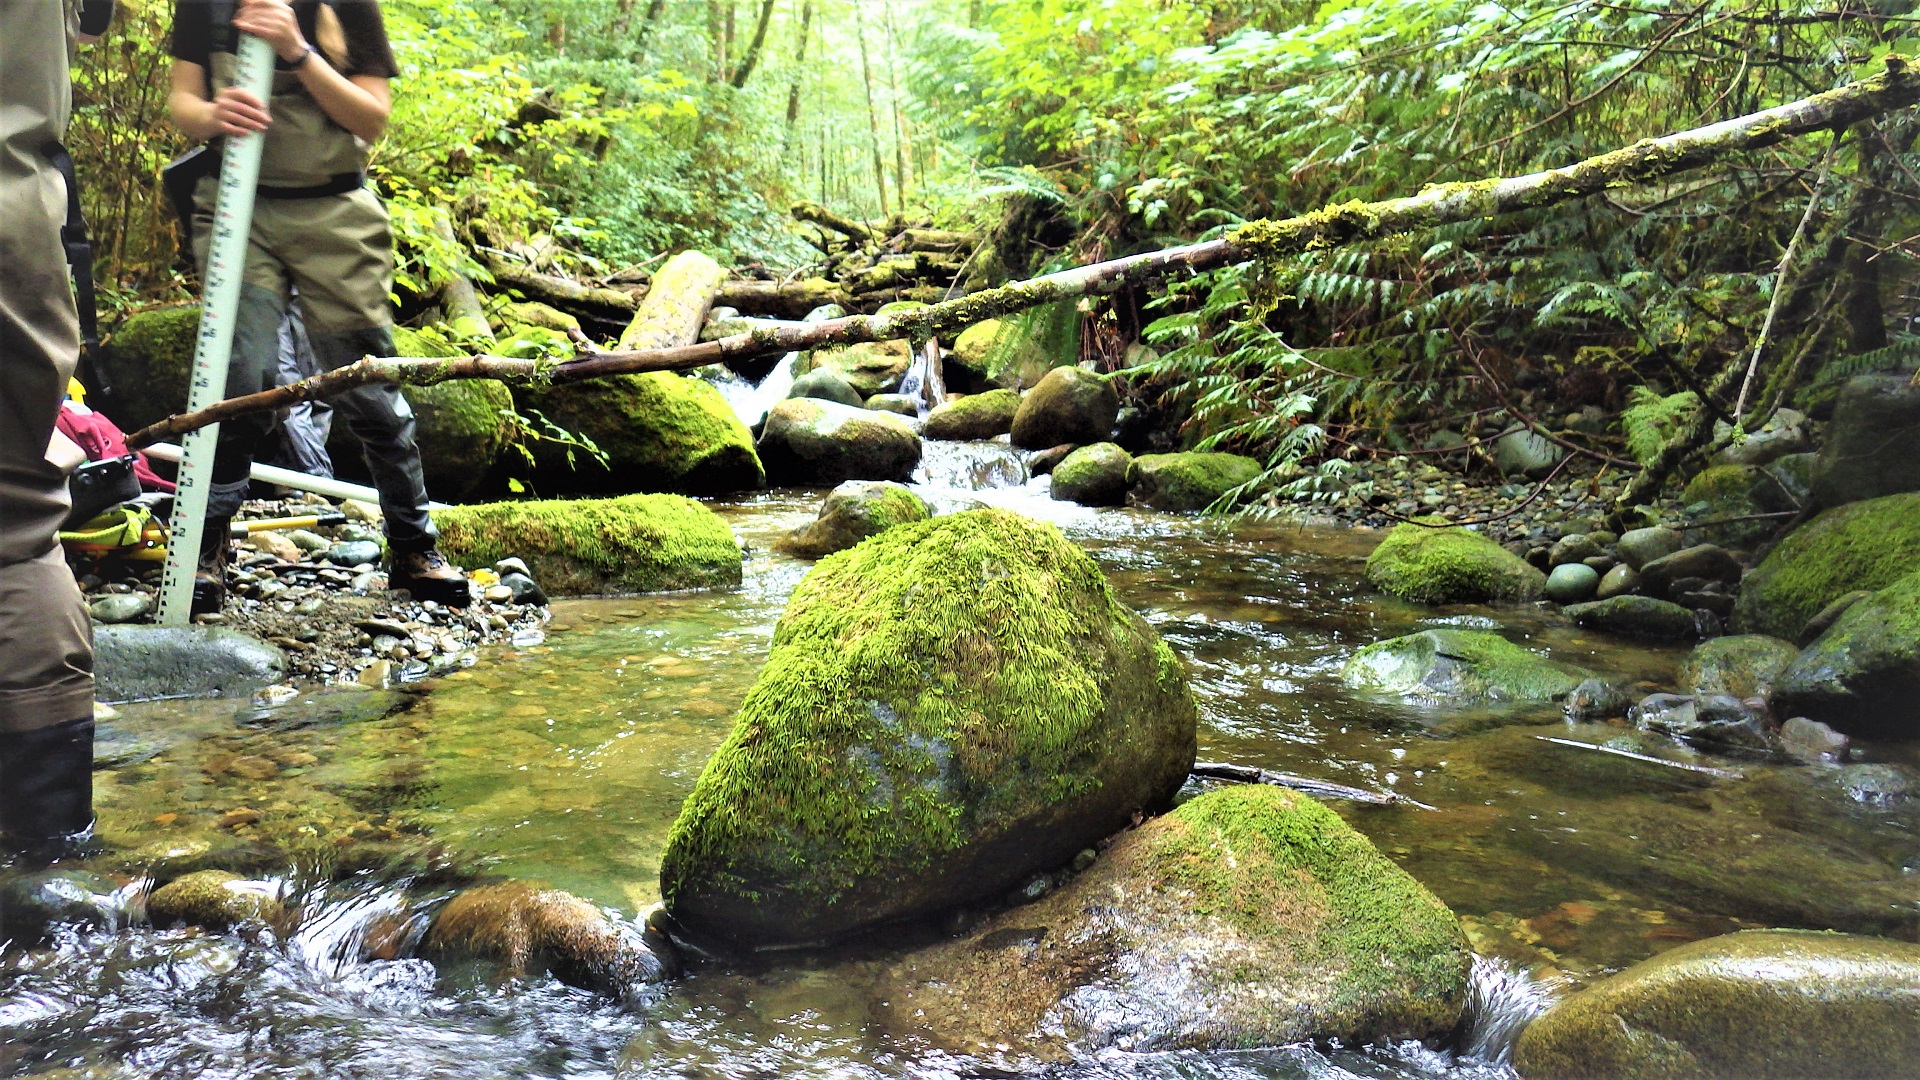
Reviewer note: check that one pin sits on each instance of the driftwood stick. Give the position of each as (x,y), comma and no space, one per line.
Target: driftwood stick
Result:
(1703,770)
(1325,789)
(1649,159)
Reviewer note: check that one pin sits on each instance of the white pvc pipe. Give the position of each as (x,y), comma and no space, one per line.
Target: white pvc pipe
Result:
(271,474)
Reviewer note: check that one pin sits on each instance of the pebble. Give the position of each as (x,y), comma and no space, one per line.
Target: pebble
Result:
(243,815)
(269,542)
(354,553)
(309,541)
(120,607)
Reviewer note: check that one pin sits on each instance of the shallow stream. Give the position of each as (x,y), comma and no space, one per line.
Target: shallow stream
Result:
(565,760)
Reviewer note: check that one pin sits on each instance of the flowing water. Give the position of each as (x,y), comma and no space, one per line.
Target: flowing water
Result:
(565,760)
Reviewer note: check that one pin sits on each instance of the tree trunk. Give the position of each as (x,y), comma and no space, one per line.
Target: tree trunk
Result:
(676,304)
(752,58)
(799,64)
(873,115)
(781,299)
(459,301)
(611,304)
(893,103)
(839,223)
(647,23)
(1437,205)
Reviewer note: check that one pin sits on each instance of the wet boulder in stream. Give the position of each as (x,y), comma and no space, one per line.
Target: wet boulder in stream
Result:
(1862,545)
(1862,677)
(947,709)
(526,930)
(854,511)
(1190,481)
(1069,405)
(1436,563)
(975,416)
(1459,667)
(633,544)
(1093,475)
(807,441)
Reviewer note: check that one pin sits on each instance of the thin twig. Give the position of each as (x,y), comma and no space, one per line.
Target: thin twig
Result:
(1248,774)
(1704,770)
(1780,276)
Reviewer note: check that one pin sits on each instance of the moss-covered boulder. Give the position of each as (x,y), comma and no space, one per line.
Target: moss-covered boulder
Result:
(828,385)
(976,416)
(948,708)
(1094,475)
(462,426)
(1248,917)
(526,930)
(1635,616)
(633,544)
(1727,501)
(1862,545)
(1738,665)
(811,442)
(1873,444)
(973,347)
(1757,1005)
(1189,481)
(1439,564)
(1459,667)
(660,431)
(1068,405)
(870,367)
(149,361)
(1862,676)
(217,900)
(854,511)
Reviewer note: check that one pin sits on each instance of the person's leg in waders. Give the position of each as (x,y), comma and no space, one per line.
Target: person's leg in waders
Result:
(304,430)
(46,645)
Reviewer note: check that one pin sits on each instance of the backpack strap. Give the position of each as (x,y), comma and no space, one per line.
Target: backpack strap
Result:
(73,237)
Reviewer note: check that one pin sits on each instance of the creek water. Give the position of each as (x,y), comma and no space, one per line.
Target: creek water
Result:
(566,759)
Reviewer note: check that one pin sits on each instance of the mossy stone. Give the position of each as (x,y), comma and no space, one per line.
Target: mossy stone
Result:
(462,426)
(948,707)
(1862,545)
(1738,665)
(976,416)
(815,442)
(870,367)
(1068,405)
(633,544)
(1862,676)
(532,313)
(1449,565)
(1873,444)
(1193,480)
(1093,476)
(1635,616)
(217,900)
(149,360)
(1758,1005)
(527,930)
(660,431)
(1459,666)
(852,512)
(828,385)
(1248,917)
(1730,492)
(1571,583)
(971,347)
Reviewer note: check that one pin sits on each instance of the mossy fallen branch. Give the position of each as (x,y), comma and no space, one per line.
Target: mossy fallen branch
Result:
(1649,159)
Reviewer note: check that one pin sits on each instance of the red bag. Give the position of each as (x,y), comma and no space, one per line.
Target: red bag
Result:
(102,439)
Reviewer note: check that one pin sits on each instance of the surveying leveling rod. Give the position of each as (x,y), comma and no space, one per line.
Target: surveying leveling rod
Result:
(226,257)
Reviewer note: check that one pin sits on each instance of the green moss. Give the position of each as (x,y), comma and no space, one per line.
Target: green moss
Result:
(970,348)
(215,900)
(1459,665)
(1863,545)
(1736,492)
(976,416)
(870,367)
(942,679)
(1292,877)
(1450,566)
(1093,475)
(462,424)
(639,543)
(1862,676)
(1742,665)
(660,432)
(1189,481)
(150,362)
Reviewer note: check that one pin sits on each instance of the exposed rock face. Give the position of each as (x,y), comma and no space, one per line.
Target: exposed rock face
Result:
(812,442)
(1188,481)
(660,431)
(1247,917)
(976,416)
(948,708)
(1093,476)
(854,511)
(636,543)
(1457,667)
(1862,677)
(527,930)
(1069,405)
(1450,566)
(1873,443)
(1759,1005)
(1863,545)
(136,663)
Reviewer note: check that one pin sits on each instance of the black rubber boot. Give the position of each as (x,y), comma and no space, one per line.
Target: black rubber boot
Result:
(46,791)
(210,572)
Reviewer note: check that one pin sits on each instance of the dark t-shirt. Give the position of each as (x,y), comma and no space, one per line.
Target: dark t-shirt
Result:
(367,50)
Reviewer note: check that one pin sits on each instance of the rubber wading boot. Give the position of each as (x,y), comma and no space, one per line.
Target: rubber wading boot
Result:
(46,791)
(210,573)
(429,576)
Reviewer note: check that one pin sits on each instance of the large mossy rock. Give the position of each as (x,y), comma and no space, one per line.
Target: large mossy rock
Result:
(1758,1005)
(948,708)
(827,386)
(1738,665)
(1096,475)
(660,431)
(1732,502)
(1873,444)
(1862,676)
(462,425)
(1248,917)
(1635,616)
(808,441)
(149,361)
(1863,545)
(976,416)
(870,367)
(1459,667)
(1450,565)
(1188,481)
(852,512)
(527,930)
(1068,405)
(217,900)
(633,544)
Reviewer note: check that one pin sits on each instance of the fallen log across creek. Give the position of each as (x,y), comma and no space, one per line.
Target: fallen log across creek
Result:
(1306,785)
(1650,159)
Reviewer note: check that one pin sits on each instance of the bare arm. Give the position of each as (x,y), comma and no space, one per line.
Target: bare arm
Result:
(232,111)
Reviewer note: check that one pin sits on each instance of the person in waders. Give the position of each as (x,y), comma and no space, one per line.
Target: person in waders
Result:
(318,229)
(46,641)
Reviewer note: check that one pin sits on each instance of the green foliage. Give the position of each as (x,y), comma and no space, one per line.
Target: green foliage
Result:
(1652,419)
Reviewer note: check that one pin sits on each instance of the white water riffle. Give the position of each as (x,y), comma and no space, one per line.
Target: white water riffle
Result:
(750,402)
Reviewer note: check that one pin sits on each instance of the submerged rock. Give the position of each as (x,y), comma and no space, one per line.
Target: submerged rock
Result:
(636,543)
(1740,665)
(1450,565)
(660,431)
(1189,481)
(138,663)
(1862,676)
(976,416)
(527,930)
(852,512)
(1248,917)
(1093,475)
(1635,616)
(947,709)
(1709,722)
(808,441)
(1459,666)
(33,905)
(217,900)
(1596,700)
(1756,1005)
(1069,405)
(1863,545)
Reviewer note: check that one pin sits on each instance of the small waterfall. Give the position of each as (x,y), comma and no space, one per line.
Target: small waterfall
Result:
(969,466)
(749,402)
(923,381)
(1501,1001)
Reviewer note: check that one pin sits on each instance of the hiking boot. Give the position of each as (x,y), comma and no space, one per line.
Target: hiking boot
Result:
(210,573)
(429,576)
